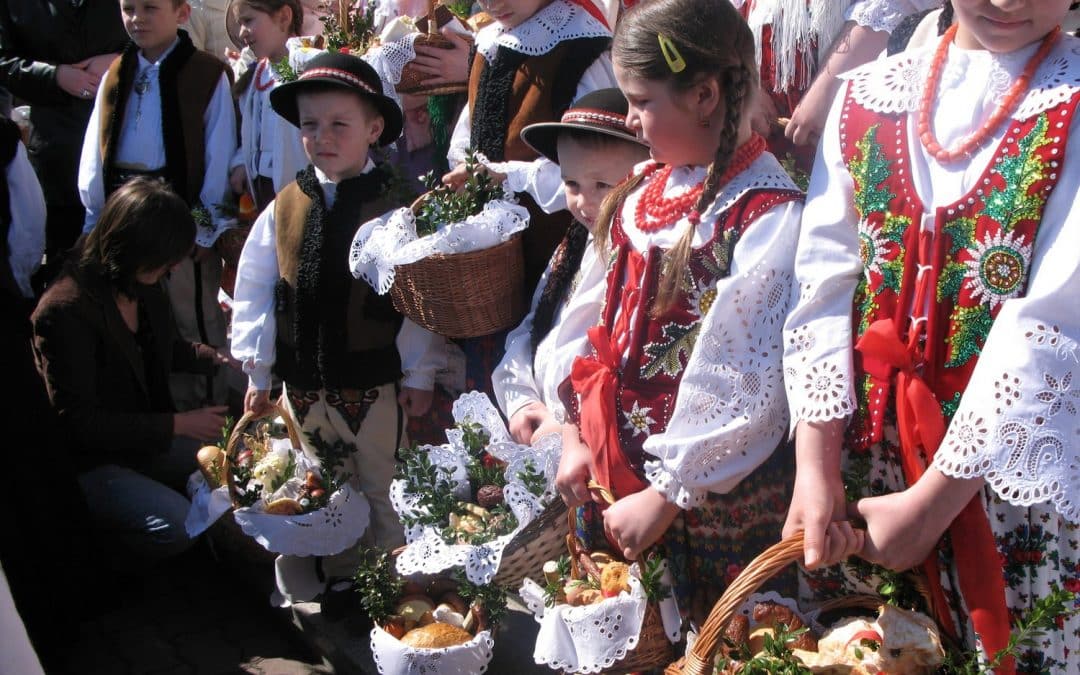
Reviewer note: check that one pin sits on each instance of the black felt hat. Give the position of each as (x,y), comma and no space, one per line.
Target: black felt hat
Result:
(602,111)
(347,72)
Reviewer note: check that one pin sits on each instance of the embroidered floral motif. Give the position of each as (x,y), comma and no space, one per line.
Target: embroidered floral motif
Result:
(870,171)
(998,268)
(1016,201)
(971,326)
(669,357)
(1059,394)
(638,420)
(701,298)
(871,247)
(1052,337)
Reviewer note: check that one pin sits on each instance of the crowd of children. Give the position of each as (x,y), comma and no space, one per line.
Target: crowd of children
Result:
(884,362)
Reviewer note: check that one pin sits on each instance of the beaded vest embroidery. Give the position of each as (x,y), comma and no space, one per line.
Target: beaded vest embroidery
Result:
(977,256)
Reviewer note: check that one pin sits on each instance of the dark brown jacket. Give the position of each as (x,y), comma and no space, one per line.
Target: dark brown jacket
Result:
(113,408)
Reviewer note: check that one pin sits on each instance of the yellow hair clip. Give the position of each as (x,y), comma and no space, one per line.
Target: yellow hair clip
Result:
(671,53)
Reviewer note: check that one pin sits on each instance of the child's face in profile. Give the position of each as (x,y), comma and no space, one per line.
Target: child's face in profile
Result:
(1006,26)
(265,33)
(591,170)
(337,128)
(152,24)
(512,13)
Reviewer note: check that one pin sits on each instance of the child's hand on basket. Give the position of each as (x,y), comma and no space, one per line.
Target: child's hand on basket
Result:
(902,528)
(528,419)
(458,175)
(637,521)
(415,402)
(818,503)
(257,402)
(202,424)
(574,468)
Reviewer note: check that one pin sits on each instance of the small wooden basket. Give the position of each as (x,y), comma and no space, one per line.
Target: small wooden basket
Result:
(699,660)
(464,295)
(413,81)
(238,432)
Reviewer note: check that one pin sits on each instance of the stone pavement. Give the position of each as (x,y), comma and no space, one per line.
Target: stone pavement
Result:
(201,615)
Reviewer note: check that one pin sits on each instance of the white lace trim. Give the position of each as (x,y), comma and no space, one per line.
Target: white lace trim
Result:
(389,59)
(1026,446)
(878,15)
(895,85)
(426,552)
(393,658)
(593,638)
(818,390)
(542,32)
(380,245)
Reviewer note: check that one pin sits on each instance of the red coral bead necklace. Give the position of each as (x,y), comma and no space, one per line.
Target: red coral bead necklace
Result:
(972,141)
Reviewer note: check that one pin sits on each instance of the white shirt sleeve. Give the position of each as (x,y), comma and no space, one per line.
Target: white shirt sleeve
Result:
(460,139)
(818,333)
(541,179)
(254,323)
(513,381)
(26,237)
(885,15)
(423,354)
(289,157)
(91,175)
(220,146)
(730,412)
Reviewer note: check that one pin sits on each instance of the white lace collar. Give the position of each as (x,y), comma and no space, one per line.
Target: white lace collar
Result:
(559,21)
(895,85)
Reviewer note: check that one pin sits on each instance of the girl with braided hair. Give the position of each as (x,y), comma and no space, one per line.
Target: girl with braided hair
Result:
(680,406)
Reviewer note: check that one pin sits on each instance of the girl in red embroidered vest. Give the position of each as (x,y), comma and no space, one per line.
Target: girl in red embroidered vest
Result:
(680,407)
(942,201)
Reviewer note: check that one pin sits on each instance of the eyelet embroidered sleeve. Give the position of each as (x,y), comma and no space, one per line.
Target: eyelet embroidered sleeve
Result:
(1018,423)
(817,334)
(730,412)
(254,324)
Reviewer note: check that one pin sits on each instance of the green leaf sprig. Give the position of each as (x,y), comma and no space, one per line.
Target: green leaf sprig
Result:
(358,33)
(443,205)
(379,586)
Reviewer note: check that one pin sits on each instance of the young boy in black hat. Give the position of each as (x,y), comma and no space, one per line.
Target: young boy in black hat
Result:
(339,348)
(594,150)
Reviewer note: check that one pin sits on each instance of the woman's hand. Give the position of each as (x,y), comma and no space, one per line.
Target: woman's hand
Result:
(527,420)
(202,424)
(97,65)
(574,472)
(415,402)
(77,80)
(637,521)
(818,504)
(444,65)
(257,402)
(902,528)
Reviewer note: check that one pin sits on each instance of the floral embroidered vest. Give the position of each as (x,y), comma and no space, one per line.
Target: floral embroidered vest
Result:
(976,256)
(660,347)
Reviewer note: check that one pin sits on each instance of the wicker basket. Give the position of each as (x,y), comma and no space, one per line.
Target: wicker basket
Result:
(699,660)
(413,80)
(541,540)
(238,432)
(464,295)
(653,649)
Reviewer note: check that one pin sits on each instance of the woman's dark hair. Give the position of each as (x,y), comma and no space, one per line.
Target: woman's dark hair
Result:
(144,226)
(714,41)
(945,19)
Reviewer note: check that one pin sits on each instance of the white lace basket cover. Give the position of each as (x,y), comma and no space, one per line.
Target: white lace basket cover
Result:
(325,531)
(426,552)
(592,638)
(394,658)
(207,505)
(380,245)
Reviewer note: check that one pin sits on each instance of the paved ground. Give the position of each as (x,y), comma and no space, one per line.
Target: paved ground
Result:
(189,616)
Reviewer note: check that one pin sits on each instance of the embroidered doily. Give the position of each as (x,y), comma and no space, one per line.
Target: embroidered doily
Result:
(895,85)
(558,22)
(325,531)
(426,551)
(384,243)
(207,505)
(592,638)
(393,658)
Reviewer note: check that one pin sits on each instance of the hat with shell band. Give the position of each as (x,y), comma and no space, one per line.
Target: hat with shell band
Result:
(602,111)
(349,73)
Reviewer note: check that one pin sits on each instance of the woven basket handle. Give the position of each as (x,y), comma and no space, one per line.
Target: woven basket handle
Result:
(609,499)
(775,558)
(237,433)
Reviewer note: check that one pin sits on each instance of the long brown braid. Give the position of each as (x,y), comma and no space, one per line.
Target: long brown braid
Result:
(714,41)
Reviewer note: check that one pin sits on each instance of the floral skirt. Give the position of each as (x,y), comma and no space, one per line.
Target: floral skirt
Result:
(1037,548)
(709,545)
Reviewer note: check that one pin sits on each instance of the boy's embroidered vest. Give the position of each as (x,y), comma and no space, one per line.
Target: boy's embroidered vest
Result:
(647,383)
(514,92)
(976,255)
(340,333)
(188,78)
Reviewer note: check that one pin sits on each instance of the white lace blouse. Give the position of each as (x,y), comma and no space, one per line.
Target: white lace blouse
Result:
(1017,425)
(730,411)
